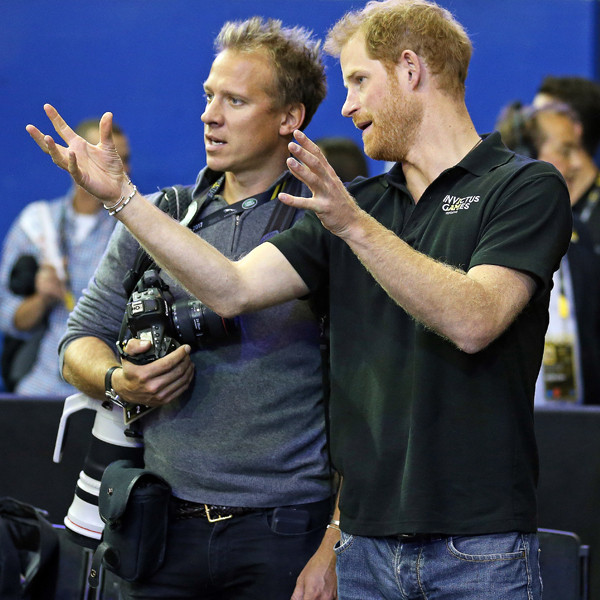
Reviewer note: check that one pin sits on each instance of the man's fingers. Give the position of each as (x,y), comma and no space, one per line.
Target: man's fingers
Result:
(173,359)
(300,171)
(73,167)
(166,364)
(171,384)
(56,153)
(59,124)
(37,136)
(308,170)
(306,142)
(297,201)
(106,128)
(313,174)
(308,163)
(136,346)
(298,592)
(59,154)
(304,155)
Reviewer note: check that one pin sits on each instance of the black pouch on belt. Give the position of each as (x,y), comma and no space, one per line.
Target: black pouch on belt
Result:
(134,505)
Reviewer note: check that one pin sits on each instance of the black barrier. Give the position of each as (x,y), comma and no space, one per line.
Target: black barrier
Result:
(568,442)
(28,428)
(569,488)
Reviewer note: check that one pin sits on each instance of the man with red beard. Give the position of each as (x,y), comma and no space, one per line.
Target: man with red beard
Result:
(438,276)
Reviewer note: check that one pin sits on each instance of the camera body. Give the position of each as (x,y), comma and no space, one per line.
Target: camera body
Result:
(152,315)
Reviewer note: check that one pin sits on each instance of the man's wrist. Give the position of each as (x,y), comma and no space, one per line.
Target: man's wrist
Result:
(128,191)
(334,524)
(109,391)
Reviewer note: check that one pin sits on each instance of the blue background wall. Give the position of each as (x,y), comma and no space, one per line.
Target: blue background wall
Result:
(145,60)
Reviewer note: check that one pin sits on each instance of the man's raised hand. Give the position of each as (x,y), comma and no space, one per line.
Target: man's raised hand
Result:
(97,168)
(332,203)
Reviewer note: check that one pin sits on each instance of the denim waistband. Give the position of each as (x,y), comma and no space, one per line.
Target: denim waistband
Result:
(419,538)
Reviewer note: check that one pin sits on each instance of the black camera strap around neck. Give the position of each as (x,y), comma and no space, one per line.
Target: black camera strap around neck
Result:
(235,209)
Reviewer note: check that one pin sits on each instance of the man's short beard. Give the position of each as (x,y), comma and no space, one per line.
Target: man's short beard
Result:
(401,117)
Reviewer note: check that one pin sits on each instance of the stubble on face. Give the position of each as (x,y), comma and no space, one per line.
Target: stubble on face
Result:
(395,125)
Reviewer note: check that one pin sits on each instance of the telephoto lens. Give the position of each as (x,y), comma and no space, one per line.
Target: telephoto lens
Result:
(110,441)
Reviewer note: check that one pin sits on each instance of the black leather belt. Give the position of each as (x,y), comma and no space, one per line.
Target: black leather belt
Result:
(186,509)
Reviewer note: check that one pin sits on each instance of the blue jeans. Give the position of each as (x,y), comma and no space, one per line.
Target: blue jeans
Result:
(501,566)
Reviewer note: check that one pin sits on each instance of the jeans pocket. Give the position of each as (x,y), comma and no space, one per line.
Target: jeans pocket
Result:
(345,542)
(485,548)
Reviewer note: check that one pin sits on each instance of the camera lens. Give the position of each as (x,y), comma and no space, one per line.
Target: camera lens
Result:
(109,442)
(195,323)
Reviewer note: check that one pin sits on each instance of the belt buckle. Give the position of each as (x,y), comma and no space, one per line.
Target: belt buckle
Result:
(212,519)
(409,538)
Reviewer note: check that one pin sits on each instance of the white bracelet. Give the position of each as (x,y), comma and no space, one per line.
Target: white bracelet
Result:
(121,202)
(125,203)
(334,524)
(118,201)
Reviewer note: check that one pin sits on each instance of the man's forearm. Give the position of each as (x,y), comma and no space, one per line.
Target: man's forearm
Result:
(260,279)
(204,271)
(86,361)
(226,287)
(470,309)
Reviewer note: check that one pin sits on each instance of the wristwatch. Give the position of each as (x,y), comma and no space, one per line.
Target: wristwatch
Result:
(109,392)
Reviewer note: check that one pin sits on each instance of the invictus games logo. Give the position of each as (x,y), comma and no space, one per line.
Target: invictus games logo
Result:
(452,204)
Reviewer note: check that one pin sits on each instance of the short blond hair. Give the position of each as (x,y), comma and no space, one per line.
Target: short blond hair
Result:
(296,58)
(392,26)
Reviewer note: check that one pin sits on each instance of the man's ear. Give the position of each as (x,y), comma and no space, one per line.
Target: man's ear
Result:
(410,69)
(292,118)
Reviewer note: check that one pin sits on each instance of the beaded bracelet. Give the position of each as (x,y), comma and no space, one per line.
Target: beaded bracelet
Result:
(122,202)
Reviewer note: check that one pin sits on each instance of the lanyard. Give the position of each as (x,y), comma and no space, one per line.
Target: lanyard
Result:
(69,299)
(591,201)
(234,209)
(564,309)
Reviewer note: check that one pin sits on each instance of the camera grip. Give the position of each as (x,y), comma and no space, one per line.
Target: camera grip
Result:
(168,345)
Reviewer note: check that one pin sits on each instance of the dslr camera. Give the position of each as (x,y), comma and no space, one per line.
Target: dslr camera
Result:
(152,315)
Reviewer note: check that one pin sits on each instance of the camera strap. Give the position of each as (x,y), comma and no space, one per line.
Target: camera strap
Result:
(178,200)
(235,209)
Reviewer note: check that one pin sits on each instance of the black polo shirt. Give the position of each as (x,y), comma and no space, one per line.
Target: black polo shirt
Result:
(427,437)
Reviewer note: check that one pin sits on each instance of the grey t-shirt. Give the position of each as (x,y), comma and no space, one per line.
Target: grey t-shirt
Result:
(250,430)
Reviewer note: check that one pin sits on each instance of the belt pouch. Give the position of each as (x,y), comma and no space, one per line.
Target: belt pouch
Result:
(134,506)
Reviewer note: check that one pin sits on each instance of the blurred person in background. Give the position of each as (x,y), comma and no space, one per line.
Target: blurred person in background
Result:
(49,254)
(345,156)
(583,96)
(569,370)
